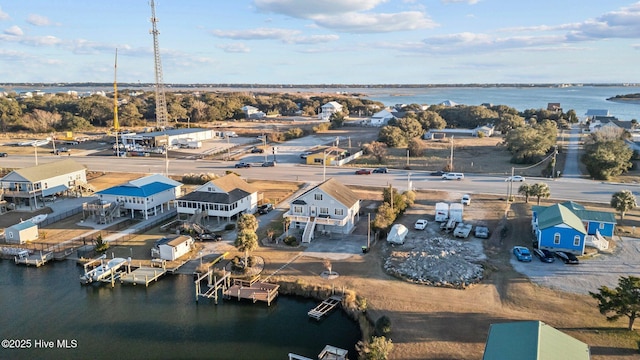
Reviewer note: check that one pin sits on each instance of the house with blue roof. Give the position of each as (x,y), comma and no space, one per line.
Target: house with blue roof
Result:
(143,197)
(570,227)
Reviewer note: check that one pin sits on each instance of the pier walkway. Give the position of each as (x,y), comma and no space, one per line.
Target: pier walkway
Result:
(36,260)
(325,307)
(144,275)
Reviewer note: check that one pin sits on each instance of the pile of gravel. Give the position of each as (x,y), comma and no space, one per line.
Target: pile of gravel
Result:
(437,261)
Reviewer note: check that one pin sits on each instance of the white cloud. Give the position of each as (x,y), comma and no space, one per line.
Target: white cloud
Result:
(313,39)
(3,15)
(14,31)
(470,2)
(234,48)
(306,10)
(376,23)
(38,20)
(256,34)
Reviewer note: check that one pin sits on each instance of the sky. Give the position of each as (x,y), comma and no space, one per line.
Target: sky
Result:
(322,41)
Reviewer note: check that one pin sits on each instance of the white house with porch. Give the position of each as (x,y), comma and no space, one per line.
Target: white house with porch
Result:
(224,198)
(381,118)
(30,186)
(147,196)
(329,207)
(328,109)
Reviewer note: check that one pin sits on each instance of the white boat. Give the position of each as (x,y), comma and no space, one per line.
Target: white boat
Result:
(103,271)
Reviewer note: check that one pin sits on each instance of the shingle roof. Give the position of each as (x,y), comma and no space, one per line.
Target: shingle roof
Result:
(526,340)
(230,182)
(338,191)
(136,191)
(49,170)
(216,198)
(590,215)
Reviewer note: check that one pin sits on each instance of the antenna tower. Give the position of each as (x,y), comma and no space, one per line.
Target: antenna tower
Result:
(116,124)
(161,101)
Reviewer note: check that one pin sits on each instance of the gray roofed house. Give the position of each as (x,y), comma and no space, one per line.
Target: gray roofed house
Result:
(223,198)
(329,207)
(29,186)
(532,340)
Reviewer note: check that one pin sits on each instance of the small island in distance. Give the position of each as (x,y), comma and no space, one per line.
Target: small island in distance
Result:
(627,98)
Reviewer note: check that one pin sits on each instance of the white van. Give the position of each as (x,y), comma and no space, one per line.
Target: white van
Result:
(453,176)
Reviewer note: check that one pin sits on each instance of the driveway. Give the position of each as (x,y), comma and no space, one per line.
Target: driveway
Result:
(592,272)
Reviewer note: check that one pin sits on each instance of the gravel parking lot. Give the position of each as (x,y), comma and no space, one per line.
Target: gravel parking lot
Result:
(604,268)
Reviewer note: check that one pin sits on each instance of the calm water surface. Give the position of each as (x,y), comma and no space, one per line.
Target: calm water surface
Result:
(162,321)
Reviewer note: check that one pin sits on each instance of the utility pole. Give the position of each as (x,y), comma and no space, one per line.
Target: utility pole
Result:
(553,171)
(451,158)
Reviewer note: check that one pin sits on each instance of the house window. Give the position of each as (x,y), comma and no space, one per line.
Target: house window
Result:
(339,212)
(297,209)
(601,225)
(317,196)
(576,240)
(324,211)
(556,239)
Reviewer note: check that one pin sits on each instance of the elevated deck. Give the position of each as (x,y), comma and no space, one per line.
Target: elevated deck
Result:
(325,307)
(253,290)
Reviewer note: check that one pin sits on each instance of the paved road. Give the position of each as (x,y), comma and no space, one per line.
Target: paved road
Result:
(571,169)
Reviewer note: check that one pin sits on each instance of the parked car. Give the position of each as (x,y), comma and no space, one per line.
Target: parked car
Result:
(515,178)
(305,154)
(210,236)
(567,257)
(257,150)
(421,224)
(242,165)
(466,199)
(381,170)
(522,253)
(453,176)
(3,154)
(482,232)
(268,164)
(438,173)
(544,255)
(363,172)
(263,209)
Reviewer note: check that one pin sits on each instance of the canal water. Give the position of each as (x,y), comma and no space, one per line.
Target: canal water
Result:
(51,316)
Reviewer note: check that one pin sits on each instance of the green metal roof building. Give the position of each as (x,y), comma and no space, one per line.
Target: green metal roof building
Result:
(532,340)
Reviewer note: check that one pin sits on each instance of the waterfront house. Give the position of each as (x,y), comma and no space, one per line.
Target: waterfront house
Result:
(172,248)
(143,197)
(21,232)
(329,207)
(555,107)
(591,114)
(30,186)
(328,109)
(570,227)
(223,198)
(532,340)
(380,118)
(252,112)
(486,130)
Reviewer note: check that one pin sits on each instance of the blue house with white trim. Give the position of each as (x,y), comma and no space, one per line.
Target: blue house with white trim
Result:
(568,226)
(147,196)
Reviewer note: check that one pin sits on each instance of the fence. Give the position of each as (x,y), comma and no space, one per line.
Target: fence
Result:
(53,218)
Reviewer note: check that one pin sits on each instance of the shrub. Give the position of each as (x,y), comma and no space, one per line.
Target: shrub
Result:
(290,240)
(383,326)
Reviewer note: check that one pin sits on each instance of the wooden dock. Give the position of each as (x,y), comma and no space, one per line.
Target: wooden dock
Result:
(325,307)
(143,275)
(253,290)
(214,285)
(36,260)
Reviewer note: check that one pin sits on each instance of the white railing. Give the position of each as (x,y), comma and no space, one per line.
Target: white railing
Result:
(307,235)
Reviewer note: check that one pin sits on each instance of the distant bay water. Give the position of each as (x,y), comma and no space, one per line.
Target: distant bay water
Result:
(578,98)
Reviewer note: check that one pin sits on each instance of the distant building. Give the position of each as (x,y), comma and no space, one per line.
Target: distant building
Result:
(554,107)
(380,118)
(328,109)
(252,112)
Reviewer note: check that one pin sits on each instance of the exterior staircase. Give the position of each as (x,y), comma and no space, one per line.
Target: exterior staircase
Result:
(307,235)
(597,241)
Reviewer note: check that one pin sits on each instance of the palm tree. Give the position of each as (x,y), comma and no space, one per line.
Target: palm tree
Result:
(247,222)
(540,190)
(246,241)
(525,190)
(623,201)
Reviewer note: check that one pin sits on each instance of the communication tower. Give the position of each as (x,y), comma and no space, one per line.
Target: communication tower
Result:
(161,101)
(116,124)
